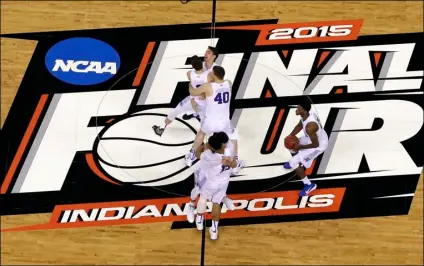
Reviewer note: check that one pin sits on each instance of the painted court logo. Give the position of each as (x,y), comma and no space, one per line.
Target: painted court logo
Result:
(88,155)
(82,61)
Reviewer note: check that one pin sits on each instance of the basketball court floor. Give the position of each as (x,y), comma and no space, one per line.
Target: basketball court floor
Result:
(377,219)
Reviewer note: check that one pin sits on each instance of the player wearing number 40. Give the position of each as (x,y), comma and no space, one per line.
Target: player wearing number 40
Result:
(217,113)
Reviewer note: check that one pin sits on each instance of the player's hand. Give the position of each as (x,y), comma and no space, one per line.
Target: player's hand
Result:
(227,158)
(296,147)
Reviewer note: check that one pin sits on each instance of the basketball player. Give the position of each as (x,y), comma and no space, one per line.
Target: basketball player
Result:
(217,113)
(211,55)
(199,177)
(311,145)
(215,168)
(197,76)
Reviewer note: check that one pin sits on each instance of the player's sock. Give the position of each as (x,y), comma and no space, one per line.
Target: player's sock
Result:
(215,225)
(213,230)
(306,181)
(199,221)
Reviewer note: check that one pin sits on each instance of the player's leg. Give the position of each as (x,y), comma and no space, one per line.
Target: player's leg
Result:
(227,201)
(216,213)
(183,106)
(201,209)
(198,141)
(299,164)
(205,128)
(233,136)
(206,191)
(216,199)
(199,180)
(190,114)
(301,161)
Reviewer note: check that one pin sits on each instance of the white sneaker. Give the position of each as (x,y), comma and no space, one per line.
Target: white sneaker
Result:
(199,222)
(190,213)
(213,234)
(190,158)
(229,203)
(240,165)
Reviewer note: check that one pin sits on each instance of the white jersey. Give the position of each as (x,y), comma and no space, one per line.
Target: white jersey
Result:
(322,135)
(211,165)
(218,104)
(208,70)
(197,80)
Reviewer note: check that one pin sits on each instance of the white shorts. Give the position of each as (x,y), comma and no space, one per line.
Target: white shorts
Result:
(185,107)
(306,157)
(210,127)
(199,177)
(214,191)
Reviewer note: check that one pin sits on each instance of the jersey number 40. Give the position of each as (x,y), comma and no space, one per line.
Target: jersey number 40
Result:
(222,97)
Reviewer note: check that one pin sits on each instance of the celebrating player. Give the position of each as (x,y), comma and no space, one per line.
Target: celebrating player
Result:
(199,177)
(211,55)
(197,77)
(217,113)
(214,170)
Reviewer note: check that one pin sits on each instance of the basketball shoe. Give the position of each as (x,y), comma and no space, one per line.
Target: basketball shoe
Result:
(190,158)
(307,188)
(158,131)
(240,165)
(190,212)
(213,233)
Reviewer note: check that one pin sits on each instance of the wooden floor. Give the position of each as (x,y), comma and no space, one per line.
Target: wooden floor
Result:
(387,240)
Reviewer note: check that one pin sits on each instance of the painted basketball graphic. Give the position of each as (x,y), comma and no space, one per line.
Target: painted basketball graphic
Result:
(130,152)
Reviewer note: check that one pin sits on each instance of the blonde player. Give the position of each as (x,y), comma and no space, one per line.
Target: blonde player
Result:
(215,170)
(217,113)
(211,54)
(311,145)
(197,76)
(199,177)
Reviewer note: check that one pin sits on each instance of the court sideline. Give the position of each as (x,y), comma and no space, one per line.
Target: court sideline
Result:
(375,240)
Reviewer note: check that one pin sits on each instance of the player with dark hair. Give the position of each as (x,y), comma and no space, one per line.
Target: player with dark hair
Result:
(310,146)
(213,176)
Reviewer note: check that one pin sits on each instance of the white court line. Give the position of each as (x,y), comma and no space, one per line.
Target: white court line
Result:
(396,196)
(401,172)
(400,93)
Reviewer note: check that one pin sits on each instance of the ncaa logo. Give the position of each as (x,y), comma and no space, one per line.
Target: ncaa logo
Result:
(82,61)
